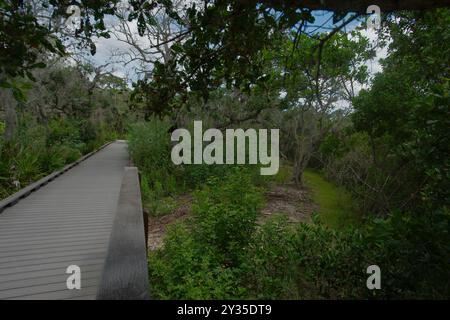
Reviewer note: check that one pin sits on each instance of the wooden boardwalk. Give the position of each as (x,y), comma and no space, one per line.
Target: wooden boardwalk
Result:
(66,222)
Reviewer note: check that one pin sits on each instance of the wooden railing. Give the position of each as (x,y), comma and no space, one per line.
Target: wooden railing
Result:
(125,273)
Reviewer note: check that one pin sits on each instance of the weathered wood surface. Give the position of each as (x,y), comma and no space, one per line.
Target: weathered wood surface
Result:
(14,198)
(125,274)
(67,221)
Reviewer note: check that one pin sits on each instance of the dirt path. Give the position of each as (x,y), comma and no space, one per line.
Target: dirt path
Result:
(157,226)
(289,200)
(284,199)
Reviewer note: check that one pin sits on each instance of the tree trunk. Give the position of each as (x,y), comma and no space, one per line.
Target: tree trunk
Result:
(299,168)
(301,159)
(9,104)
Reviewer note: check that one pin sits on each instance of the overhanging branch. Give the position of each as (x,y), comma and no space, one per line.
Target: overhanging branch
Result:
(360,6)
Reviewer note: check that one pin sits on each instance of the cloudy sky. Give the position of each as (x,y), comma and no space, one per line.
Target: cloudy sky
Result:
(106,47)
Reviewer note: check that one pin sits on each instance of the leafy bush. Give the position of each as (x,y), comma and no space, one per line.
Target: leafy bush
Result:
(149,145)
(225,214)
(39,149)
(270,263)
(183,270)
(413,252)
(87,131)
(62,131)
(312,261)
(197,174)
(222,253)
(20,158)
(200,258)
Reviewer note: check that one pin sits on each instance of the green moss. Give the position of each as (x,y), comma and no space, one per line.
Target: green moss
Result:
(336,208)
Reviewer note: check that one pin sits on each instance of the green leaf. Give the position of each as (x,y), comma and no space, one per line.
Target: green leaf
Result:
(19,95)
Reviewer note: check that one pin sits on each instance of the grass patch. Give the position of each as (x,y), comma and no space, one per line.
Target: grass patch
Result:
(284,175)
(336,208)
(160,206)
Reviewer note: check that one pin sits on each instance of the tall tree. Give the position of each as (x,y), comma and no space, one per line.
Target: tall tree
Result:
(316,86)
(406,110)
(27,34)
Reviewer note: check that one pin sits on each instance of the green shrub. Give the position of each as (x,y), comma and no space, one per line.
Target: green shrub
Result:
(68,154)
(103,134)
(225,214)
(269,268)
(200,258)
(20,157)
(411,251)
(184,271)
(197,174)
(149,145)
(280,260)
(38,149)
(26,166)
(51,160)
(62,131)
(87,131)
(330,262)
(414,253)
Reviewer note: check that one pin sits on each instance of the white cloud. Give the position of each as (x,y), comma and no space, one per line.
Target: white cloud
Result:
(374,65)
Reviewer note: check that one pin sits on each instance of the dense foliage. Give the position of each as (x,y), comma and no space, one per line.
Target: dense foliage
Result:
(38,149)
(406,111)
(206,258)
(64,116)
(383,138)
(391,154)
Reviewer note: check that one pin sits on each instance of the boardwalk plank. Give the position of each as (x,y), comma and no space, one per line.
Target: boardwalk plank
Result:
(67,221)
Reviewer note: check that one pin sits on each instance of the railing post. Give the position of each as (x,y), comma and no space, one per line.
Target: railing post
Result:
(145,215)
(125,273)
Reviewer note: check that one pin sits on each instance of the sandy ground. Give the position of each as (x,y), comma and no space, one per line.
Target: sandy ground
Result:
(289,200)
(157,226)
(284,199)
